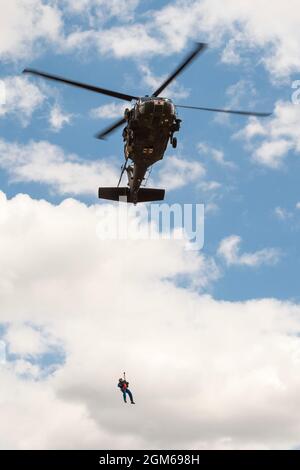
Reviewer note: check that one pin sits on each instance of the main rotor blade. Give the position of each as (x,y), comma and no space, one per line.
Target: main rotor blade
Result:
(229,111)
(96,89)
(101,135)
(200,46)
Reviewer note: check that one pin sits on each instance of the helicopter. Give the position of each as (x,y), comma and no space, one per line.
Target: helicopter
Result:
(150,124)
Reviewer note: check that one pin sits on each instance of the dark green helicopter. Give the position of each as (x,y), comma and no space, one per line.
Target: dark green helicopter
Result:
(149,126)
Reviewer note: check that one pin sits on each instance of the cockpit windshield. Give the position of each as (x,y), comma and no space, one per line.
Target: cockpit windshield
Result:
(149,98)
(152,105)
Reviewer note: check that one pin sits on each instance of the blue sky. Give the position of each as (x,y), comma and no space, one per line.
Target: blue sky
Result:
(244,170)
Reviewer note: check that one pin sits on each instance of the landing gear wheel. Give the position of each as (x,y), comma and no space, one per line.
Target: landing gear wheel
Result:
(174,142)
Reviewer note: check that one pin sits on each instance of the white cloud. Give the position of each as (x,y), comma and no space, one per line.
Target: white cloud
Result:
(272,140)
(229,250)
(253,129)
(25,340)
(24,24)
(22,98)
(282,214)
(272,153)
(211,207)
(98,11)
(216,154)
(224,349)
(209,185)
(242,24)
(45,163)
(58,118)
(27,26)
(121,41)
(212,190)
(108,111)
(42,162)
(25,369)
(241,28)
(239,91)
(177,172)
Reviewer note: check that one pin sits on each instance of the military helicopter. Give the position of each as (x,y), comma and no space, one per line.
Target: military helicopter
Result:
(150,125)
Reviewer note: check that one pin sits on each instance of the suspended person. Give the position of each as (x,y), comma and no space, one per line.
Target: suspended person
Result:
(123,385)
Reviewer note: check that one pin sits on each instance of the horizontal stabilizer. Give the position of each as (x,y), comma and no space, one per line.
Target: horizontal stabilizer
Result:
(124,195)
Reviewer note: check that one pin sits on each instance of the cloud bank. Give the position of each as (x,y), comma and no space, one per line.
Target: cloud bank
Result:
(226,371)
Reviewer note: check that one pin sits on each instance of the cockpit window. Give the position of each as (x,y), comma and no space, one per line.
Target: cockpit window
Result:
(149,98)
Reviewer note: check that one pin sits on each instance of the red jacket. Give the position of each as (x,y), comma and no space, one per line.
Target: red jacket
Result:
(123,385)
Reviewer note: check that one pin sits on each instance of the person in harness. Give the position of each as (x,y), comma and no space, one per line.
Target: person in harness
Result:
(123,386)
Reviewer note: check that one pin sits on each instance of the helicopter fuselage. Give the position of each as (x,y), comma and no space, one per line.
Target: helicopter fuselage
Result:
(151,124)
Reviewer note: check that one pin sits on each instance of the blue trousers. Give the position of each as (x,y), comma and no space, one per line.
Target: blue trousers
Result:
(129,393)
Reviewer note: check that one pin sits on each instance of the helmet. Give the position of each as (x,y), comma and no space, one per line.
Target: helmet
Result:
(121,380)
